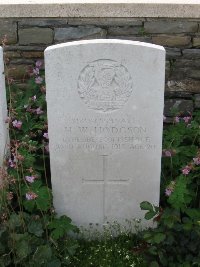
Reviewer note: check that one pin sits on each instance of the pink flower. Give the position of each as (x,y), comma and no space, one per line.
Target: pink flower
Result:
(39,111)
(177,119)
(17,124)
(9,195)
(34,97)
(187,119)
(168,191)
(168,153)
(36,71)
(31,195)
(46,135)
(196,161)
(11,163)
(186,170)
(30,179)
(39,63)
(38,80)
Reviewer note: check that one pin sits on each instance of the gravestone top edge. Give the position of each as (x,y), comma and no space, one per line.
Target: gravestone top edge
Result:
(104,41)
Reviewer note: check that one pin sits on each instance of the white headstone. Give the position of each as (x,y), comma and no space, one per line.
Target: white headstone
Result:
(105,115)
(3,111)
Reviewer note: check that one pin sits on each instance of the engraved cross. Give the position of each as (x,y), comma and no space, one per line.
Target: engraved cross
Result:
(104,181)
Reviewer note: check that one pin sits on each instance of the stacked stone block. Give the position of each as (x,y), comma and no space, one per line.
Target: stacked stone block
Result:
(27,39)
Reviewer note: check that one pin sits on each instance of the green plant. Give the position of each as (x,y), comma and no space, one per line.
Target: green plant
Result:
(176,239)
(31,234)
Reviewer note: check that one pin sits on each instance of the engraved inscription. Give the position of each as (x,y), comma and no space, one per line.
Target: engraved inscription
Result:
(104,85)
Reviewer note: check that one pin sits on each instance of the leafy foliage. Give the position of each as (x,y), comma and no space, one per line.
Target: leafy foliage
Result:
(176,239)
(30,232)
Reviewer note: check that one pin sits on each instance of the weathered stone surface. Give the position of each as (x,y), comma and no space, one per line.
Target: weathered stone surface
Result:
(17,72)
(167,69)
(167,26)
(8,28)
(19,61)
(24,48)
(194,73)
(3,113)
(106,21)
(131,38)
(178,94)
(191,53)
(124,30)
(173,53)
(196,42)
(35,35)
(174,106)
(33,54)
(172,40)
(73,33)
(44,22)
(184,85)
(197,101)
(12,54)
(101,97)
(187,63)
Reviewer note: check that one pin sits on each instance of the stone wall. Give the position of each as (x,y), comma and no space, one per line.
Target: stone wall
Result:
(28,37)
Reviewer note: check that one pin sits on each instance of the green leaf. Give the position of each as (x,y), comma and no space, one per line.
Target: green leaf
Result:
(149,215)
(22,249)
(159,237)
(42,254)
(61,226)
(145,205)
(35,228)
(54,263)
(154,264)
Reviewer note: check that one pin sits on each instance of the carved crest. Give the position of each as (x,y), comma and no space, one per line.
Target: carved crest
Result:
(104,85)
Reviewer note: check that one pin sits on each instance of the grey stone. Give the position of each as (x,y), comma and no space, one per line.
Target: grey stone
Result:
(193,73)
(106,21)
(191,53)
(44,22)
(21,61)
(196,41)
(197,101)
(178,94)
(24,48)
(167,26)
(35,35)
(174,106)
(101,98)
(185,85)
(124,30)
(3,113)
(73,33)
(8,28)
(132,38)
(172,40)
(172,53)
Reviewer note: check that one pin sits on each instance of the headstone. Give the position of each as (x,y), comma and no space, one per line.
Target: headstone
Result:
(3,111)
(105,115)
